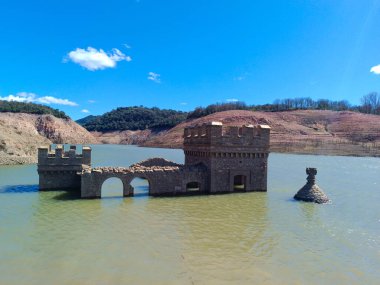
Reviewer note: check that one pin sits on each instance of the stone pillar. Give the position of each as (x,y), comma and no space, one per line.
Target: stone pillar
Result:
(311,191)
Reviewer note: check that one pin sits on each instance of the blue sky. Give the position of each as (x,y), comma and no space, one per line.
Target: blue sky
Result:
(97,55)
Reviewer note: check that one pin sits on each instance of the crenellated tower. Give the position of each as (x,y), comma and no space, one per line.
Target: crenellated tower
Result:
(58,168)
(236,158)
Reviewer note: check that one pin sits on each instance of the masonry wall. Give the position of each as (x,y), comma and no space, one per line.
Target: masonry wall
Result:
(228,152)
(161,181)
(58,169)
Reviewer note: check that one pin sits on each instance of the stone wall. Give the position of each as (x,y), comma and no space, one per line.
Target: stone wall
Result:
(228,152)
(168,180)
(58,168)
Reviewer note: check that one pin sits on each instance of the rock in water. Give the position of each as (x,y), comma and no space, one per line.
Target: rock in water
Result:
(311,191)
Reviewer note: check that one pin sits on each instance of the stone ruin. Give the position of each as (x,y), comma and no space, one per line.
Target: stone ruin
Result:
(218,159)
(311,192)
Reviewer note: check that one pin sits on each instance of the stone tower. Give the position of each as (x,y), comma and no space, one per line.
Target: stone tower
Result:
(235,157)
(58,169)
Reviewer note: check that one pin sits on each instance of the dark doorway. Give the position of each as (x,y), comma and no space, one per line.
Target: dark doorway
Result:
(193,186)
(240,182)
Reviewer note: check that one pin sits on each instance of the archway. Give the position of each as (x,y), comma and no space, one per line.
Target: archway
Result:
(240,183)
(140,186)
(193,186)
(112,187)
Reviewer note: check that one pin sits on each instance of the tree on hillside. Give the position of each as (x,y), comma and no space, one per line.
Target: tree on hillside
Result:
(371,103)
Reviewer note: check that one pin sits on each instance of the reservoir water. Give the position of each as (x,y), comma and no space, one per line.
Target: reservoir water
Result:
(247,238)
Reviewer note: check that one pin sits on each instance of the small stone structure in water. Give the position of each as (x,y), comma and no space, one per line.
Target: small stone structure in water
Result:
(218,159)
(311,191)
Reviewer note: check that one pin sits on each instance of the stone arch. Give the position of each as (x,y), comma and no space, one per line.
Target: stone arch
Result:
(126,187)
(139,176)
(240,182)
(110,188)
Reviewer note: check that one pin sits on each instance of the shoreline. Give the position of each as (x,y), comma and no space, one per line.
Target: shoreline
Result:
(25,160)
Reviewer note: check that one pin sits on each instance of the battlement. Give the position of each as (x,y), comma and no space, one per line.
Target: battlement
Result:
(215,133)
(58,155)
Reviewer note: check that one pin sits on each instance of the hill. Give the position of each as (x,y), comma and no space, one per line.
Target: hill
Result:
(21,134)
(30,108)
(86,120)
(134,118)
(303,131)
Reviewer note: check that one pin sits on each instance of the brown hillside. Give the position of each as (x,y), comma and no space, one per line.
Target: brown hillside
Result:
(304,131)
(21,134)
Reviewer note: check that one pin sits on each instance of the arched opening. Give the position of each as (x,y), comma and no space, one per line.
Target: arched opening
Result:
(240,182)
(140,186)
(193,186)
(112,187)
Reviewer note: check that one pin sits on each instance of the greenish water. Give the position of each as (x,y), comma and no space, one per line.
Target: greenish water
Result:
(248,238)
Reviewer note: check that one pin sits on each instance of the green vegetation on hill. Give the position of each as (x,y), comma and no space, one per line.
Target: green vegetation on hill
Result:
(86,120)
(141,118)
(30,108)
(135,118)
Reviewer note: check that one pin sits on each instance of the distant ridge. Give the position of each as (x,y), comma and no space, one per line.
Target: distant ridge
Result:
(30,108)
(133,118)
(302,131)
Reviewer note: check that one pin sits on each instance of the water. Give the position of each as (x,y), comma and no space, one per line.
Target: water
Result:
(248,238)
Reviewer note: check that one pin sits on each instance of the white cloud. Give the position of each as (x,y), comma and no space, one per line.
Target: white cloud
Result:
(154,77)
(232,100)
(183,103)
(85,111)
(91,101)
(93,59)
(375,69)
(33,98)
(53,100)
(127,46)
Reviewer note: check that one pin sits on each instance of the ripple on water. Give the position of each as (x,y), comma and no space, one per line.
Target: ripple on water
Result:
(51,237)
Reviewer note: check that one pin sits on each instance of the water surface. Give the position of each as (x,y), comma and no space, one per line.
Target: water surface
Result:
(261,238)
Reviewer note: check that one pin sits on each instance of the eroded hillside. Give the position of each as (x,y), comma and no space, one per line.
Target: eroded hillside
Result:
(21,134)
(306,131)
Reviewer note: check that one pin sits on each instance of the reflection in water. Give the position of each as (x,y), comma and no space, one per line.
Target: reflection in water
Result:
(55,238)
(18,188)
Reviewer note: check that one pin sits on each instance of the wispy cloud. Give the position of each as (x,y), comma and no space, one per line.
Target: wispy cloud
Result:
(183,103)
(239,78)
(93,59)
(232,100)
(127,46)
(91,101)
(85,111)
(154,77)
(33,98)
(375,69)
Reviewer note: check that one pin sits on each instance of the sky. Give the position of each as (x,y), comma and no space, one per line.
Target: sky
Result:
(89,57)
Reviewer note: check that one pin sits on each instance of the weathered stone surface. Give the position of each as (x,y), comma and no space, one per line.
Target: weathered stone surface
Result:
(218,159)
(58,168)
(311,191)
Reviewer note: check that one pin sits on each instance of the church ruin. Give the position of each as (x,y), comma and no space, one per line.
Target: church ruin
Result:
(218,159)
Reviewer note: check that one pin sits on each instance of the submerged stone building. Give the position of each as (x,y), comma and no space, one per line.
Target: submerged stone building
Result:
(218,159)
